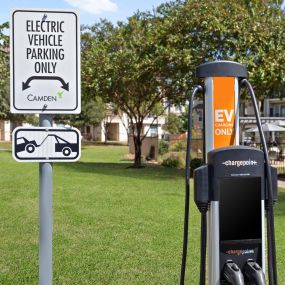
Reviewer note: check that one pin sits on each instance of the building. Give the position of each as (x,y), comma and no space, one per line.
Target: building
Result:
(112,128)
(272,110)
(5,131)
(115,127)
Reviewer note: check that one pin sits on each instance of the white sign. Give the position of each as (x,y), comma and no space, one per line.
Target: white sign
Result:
(40,144)
(45,62)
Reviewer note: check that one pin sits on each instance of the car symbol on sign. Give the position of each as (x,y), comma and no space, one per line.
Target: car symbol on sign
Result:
(61,145)
(23,144)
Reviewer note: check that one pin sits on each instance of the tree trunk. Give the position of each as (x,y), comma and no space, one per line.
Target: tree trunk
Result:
(138,146)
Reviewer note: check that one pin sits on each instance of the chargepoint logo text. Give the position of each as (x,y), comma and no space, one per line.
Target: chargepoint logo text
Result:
(240,251)
(239,163)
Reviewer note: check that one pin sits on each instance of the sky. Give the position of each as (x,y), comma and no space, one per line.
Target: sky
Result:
(90,10)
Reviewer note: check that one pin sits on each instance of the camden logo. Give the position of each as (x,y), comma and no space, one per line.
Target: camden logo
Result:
(240,251)
(239,163)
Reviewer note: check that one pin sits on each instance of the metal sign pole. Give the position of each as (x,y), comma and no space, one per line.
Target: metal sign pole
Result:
(45,251)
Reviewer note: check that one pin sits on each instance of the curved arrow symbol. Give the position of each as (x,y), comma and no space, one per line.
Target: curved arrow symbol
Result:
(25,85)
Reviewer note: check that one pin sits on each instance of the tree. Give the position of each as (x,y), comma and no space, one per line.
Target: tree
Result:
(92,113)
(173,124)
(249,32)
(125,67)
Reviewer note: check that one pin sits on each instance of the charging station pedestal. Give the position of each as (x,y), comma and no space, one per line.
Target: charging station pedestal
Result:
(221,129)
(233,183)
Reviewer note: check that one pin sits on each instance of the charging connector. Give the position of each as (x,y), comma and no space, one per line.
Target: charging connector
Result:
(254,273)
(233,274)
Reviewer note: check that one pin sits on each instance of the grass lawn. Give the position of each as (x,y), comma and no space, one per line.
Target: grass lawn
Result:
(112,224)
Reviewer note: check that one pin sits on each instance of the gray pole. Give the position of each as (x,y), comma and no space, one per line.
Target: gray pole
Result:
(45,251)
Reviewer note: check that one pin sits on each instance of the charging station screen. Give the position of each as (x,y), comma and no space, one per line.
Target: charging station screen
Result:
(240,208)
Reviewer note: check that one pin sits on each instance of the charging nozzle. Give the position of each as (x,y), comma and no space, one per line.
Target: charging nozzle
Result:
(254,273)
(233,274)
(201,188)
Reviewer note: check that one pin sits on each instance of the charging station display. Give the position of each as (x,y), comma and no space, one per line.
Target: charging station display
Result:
(239,219)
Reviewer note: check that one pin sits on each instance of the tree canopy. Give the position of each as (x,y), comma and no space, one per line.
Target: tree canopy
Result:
(150,59)
(249,32)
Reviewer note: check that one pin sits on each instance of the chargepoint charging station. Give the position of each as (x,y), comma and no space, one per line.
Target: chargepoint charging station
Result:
(234,190)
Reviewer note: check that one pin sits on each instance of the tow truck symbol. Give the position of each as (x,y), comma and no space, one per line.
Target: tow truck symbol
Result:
(61,145)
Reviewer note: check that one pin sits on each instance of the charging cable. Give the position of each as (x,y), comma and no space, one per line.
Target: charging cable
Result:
(196,89)
(272,268)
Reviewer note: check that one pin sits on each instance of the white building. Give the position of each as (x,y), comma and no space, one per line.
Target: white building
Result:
(5,131)
(117,127)
(272,110)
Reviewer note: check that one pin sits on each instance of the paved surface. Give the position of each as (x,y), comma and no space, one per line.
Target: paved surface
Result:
(281,183)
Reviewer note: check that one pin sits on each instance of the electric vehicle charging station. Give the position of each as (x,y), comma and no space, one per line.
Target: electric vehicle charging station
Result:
(234,189)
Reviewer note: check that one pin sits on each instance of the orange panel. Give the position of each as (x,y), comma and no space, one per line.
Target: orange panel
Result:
(224,111)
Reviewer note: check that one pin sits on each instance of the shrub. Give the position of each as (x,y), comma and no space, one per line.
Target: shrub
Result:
(163,147)
(179,146)
(173,160)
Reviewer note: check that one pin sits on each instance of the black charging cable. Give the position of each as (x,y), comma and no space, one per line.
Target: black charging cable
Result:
(272,268)
(196,89)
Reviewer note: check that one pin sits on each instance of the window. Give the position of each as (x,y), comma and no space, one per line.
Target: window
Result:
(283,110)
(153,131)
(276,110)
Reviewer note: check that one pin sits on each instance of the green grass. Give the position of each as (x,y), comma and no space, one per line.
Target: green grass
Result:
(112,224)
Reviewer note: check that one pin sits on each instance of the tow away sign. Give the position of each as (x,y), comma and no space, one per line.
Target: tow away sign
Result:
(46,144)
(45,62)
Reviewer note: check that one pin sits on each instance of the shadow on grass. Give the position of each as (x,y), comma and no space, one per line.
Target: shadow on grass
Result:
(123,169)
(126,160)
(6,150)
